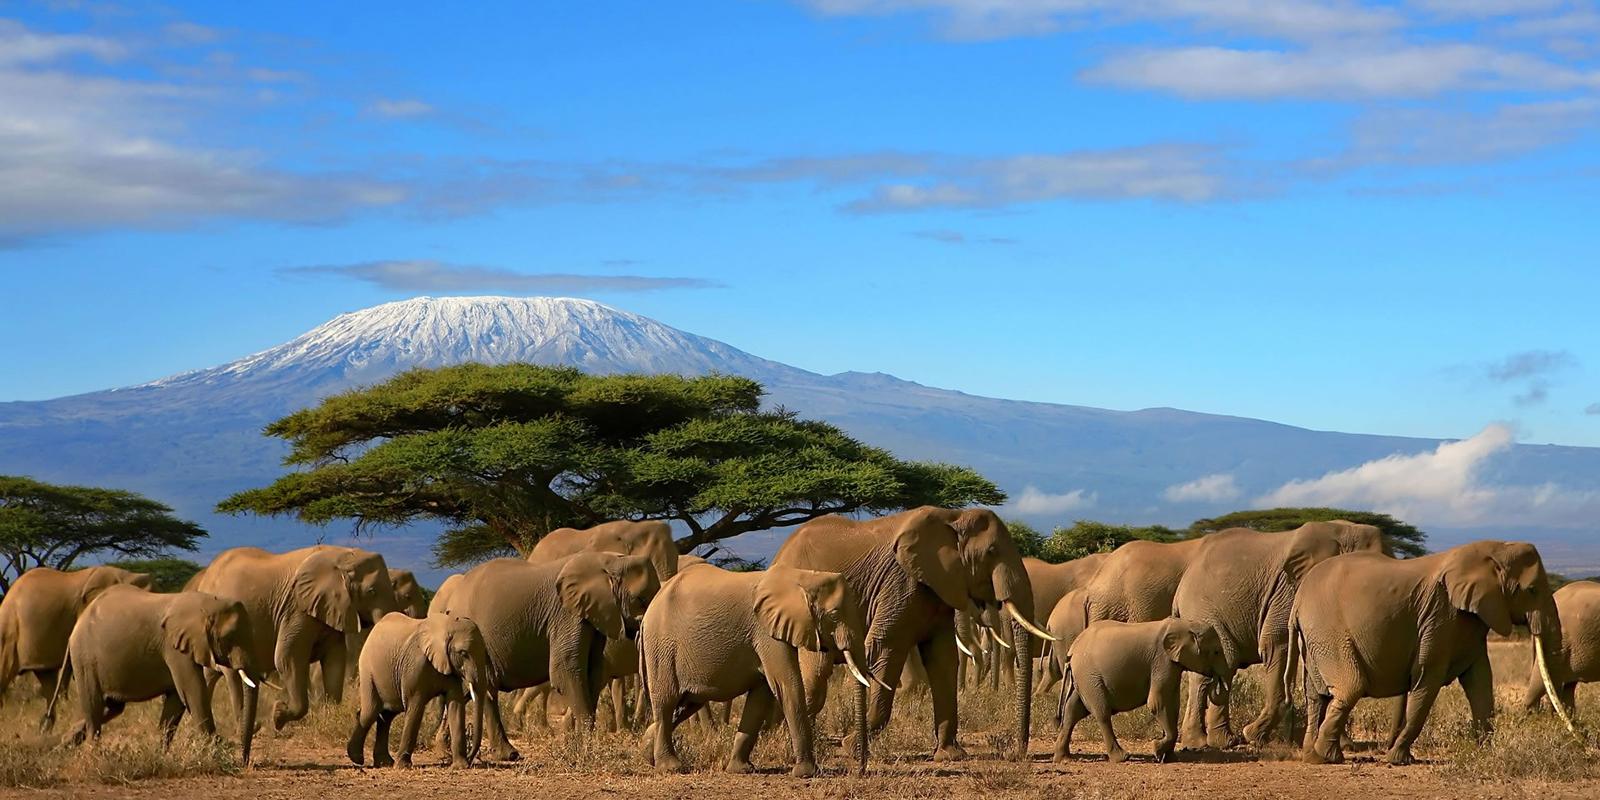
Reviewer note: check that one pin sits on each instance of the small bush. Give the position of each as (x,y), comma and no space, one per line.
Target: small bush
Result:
(29,763)
(127,759)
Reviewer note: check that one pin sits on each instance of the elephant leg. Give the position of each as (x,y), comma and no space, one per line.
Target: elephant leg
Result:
(1194,714)
(456,709)
(1419,702)
(1165,709)
(1478,684)
(365,717)
(1325,748)
(413,724)
(499,746)
(1049,674)
(1100,708)
(939,656)
(664,709)
(782,664)
(757,707)
(190,685)
(380,741)
(1397,722)
(171,714)
(1074,712)
(619,711)
(334,659)
(1219,730)
(293,660)
(1274,703)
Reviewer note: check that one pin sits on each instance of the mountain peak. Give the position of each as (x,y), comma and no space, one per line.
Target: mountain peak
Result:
(373,343)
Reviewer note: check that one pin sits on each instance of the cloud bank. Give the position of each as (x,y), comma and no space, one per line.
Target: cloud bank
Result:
(1033,501)
(1210,489)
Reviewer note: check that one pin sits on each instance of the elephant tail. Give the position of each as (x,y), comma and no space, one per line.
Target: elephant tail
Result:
(48,721)
(1061,700)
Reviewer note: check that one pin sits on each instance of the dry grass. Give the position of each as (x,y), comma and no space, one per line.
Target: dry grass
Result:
(1532,749)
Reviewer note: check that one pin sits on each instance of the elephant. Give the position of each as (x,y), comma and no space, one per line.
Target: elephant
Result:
(1120,666)
(1067,620)
(36,618)
(651,539)
(912,571)
(717,635)
(1578,606)
(408,596)
(1242,583)
(406,663)
(301,605)
(131,645)
(550,623)
(1136,582)
(1051,582)
(1371,626)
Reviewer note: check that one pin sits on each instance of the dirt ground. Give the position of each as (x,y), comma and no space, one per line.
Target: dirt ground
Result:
(1531,756)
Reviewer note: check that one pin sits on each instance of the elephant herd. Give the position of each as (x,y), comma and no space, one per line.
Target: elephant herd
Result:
(933,588)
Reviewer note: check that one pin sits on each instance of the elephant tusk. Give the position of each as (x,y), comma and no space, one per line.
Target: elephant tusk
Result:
(850,661)
(960,645)
(1023,621)
(271,685)
(472,692)
(246,679)
(997,639)
(1550,685)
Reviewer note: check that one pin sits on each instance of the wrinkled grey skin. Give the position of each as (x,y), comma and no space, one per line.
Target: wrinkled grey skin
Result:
(1413,626)
(912,571)
(37,615)
(130,646)
(1120,666)
(408,662)
(1578,606)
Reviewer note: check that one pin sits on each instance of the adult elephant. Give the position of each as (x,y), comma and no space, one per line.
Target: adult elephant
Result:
(912,571)
(1242,583)
(1051,582)
(651,539)
(1373,626)
(1578,606)
(550,623)
(37,615)
(301,605)
(408,596)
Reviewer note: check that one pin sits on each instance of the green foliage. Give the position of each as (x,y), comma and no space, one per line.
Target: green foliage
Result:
(734,563)
(1406,540)
(1087,537)
(170,573)
(44,525)
(1029,540)
(1557,580)
(504,454)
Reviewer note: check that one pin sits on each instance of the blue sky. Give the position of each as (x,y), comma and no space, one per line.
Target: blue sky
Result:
(1363,217)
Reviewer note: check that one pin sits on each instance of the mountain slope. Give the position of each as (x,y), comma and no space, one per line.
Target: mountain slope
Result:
(193,438)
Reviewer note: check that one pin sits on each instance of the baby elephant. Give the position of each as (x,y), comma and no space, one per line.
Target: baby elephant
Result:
(405,664)
(131,645)
(1119,666)
(713,635)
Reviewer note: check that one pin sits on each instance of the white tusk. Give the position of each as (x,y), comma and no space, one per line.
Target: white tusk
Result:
(963,648)
(1550,685)
(271,685)
(472,692)
(1023,621)
(850,661)
(997,639)
(246,679)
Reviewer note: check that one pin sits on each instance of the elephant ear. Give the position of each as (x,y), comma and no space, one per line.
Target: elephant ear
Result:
(927,549)
(786,609)
(187,628)
(435,636)
(1473,585)
(1313,543)
(322,589)
(98,580)
(1177,639)
(586,590)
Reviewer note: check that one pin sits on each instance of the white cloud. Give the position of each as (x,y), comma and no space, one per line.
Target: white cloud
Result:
(19,45)
(1210,488)
(1344,72)
(1443,487)
(386,107)
(1034,501)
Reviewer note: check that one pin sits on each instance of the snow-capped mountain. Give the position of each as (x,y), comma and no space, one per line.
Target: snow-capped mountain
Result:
(194,438)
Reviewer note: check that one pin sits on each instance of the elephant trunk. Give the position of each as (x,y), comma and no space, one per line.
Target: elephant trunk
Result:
(861,728)
(247,723)
(1024,687)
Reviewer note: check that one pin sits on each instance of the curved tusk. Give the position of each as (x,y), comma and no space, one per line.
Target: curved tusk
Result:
(1023,621)
(271,685)
(997,639)
(1550,685)
(246,679)
(472,692)
(960,645)
(850,661)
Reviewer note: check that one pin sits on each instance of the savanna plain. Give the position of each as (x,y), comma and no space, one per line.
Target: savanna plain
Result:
(1529,755)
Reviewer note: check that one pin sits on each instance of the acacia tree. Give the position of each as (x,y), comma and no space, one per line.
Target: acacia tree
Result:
(1406,540)
(503,454)
(44,525)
